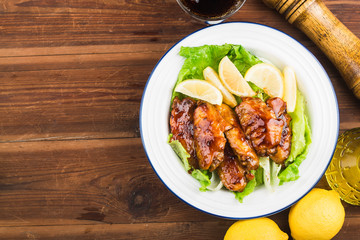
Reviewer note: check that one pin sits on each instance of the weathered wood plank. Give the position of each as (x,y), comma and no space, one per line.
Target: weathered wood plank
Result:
(72,75)
(179,230)
(115,74)
(88,181)
(95,92)
(59,23)
(82,181)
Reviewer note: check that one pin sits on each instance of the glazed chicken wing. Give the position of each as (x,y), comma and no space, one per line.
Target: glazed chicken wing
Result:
(209,136)
(260,125)
(182,126)
(284,147)
(237,139)
(232,174)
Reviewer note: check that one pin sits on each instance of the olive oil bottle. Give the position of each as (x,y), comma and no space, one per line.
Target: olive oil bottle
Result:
(343,173)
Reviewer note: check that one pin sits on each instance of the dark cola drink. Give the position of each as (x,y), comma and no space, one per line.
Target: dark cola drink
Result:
(211,9)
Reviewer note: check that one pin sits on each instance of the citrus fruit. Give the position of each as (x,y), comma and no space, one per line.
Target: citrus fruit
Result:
(268,77)
(200,89)
(289,88)
(211,75)
(319,215)
(255,229)
(233,80)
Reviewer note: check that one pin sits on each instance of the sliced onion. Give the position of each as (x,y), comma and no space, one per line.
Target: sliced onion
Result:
(216,183)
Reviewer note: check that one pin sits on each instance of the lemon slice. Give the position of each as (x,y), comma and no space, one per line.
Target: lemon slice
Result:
(267,77)
(289,88)
(200,89)
(211,76)
(233,80)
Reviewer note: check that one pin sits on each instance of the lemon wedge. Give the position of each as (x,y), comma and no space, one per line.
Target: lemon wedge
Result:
(200,89)
(233,80)
(289,88)
(267,77)
(211,75)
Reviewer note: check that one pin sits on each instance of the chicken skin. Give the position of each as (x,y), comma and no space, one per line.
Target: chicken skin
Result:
(182,126)
(260,125)
(231,173)
(237,140)
(209,136)
(284,147)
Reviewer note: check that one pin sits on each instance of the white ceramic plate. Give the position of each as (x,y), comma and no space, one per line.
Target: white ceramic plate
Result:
(281,50)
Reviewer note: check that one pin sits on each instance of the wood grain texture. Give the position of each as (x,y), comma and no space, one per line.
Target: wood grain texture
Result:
(72,74)
(88,182)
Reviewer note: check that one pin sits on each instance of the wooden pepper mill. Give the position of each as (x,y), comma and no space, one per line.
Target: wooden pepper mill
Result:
(338,43)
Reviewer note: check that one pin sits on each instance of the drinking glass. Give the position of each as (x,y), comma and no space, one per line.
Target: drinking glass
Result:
(210,11)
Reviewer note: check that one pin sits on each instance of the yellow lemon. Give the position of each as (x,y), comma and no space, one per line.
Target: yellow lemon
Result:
(289,88)
(200,89)
(255,229)
(268,77)
(211,75)
(319,215)
(233,80)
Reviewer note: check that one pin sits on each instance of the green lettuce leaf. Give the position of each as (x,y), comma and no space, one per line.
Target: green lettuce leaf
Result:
(259,176)
(260,93)
(242,58)
(180,151)
(300,143)
(250,187)
(203,177)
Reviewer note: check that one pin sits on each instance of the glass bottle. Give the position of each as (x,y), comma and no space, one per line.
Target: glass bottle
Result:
(343,173)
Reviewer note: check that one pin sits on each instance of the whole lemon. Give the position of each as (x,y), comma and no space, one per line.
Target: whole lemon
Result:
(255,229)
(319,215)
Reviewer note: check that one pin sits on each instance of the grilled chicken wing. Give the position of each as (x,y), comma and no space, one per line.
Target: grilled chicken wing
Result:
(182,126)
(209,136)
(284,147)
(237,140)
(260,125)
(232,174)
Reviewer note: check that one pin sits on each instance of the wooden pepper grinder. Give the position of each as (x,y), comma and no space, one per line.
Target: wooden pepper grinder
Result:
(338,43)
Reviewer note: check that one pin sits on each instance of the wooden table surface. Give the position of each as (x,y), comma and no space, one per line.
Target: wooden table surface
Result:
(72,74)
